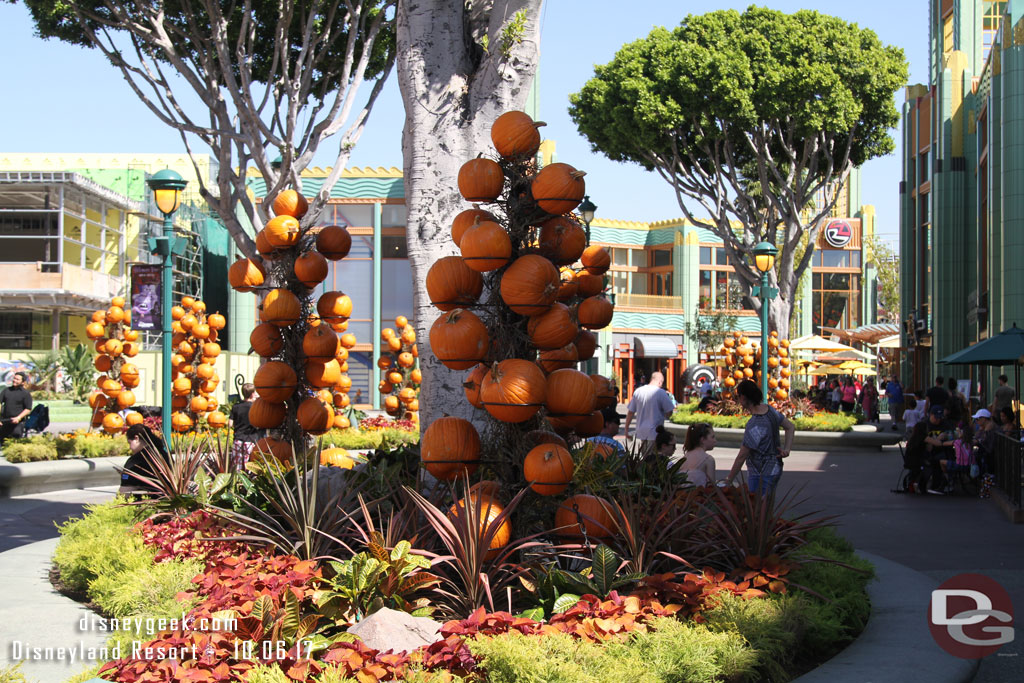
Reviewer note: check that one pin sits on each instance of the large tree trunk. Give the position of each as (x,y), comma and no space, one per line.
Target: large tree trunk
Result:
(453,90)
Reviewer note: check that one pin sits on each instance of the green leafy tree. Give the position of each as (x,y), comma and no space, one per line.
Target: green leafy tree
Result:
(752,117)
(250,81)
(887,265)
(708,329)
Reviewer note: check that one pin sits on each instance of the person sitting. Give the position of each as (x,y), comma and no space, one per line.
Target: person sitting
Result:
(145,447)
(913,414)
(610,431)
(939,444)
(664,444)
(698,465)
(1008,421)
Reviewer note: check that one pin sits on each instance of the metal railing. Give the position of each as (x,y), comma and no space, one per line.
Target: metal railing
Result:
(1009,456)
(649,301)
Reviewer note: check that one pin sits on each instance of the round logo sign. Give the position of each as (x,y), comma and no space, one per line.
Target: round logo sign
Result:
(838,233)
(971,616)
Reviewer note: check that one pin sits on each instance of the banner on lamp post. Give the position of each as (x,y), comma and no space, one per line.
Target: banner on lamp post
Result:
(146,297)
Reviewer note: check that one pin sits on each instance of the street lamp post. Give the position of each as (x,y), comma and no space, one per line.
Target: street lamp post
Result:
(764,261)
(587,209)
(166,186)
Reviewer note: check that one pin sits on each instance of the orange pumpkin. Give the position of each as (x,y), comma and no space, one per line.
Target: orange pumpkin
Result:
(334,242)
(514,134)
(310,268)
(459,339)
(471,386)
(115,314)
(131,335)
(589,285)
(322,374)
(201,331)
(570,397)
(133,418)
(102,363)
(596,260)
(486,247)
(320,342)
(129,373)
(264,414)
(334,307)
(595,312)
(113,423)
(282,231)
(180,422)
(198,404)
(555,359)
(590,425)
(263,245)
(558,188)
(489,512)
(568,287)
(396,377)
(216,420)
(592,512)
(453,284)
(450,448)
(605,395)
(95,330)
(529,286)
(243,275)
(415,376)
(481,180)
(282,450)
(130,349)
(561,239)
(348,340)
(125,399)
(548,468)
(315,416)
(280,307)
(467,219)
(265,339)
(275,381)
(552,329)
(513,390)
(181,386)
(290,203)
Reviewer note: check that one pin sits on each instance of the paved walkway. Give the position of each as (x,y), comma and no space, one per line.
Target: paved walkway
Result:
(939,536)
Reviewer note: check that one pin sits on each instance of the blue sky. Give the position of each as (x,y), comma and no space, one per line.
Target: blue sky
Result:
(66,99)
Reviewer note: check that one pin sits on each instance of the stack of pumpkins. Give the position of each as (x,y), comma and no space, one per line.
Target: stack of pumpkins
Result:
(400,385)
(522,349)
(193,366)
(115,342)
(292,334)
(742,360)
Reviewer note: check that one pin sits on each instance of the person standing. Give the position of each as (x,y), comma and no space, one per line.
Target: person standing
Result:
(936,396)
(869,401)
(651,405)
(17,404)
(849,395)
(1004,396)
(246,435)
(894,392)
(760,450)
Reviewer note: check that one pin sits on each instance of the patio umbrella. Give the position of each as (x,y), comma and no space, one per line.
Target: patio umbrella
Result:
(829,370)
(864,371)
(818,343)
(1005,348)
(853,365)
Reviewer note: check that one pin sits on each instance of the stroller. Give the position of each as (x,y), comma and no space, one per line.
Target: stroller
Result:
(38,420)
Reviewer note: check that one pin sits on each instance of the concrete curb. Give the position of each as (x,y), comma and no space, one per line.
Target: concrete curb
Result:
(896,645)
(22,478)
(731,437)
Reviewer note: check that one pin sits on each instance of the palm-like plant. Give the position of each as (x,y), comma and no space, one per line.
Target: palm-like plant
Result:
(77,363)
(45,369)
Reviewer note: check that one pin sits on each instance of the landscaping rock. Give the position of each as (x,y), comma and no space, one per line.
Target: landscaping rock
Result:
(388,629)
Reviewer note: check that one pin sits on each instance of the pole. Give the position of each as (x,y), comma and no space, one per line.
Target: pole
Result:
(165,301)
(764,336)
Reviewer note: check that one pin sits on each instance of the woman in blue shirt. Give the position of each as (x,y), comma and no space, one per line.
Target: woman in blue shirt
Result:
(760,449)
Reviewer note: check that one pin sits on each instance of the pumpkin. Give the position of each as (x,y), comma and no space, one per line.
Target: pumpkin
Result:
(562,240)
(181,386)
(114,315)
(334,242)
(216,420)
(113,347)
(394,344)
(781,394)
(605,394)
(290,203)
(385,387)
(97,418)
(282,231)
(515,134)
(555,359)
(113,423)
(396,377)
(481,180)
(322,374)
(558,188)
(552,329)
(408,336)
(244,275)
(310,268)
(586,344)
(472,385)
(320,342)
(405,360)
(540,436)
(589,285)
(568,287)
(281,308)
(596,260)
(205,371)
(348,340)
(336,457)
(415,376)
(198,307)
(530,285)
(485,247)
(459,339)
(315,416)
(198,404)
(179,402)
(413,406)
(211,349)
(126,399)
(391,405)
(513,390)
(95,330)
(341,400)
(265,339)
(102,363)
(282,450)
(201,331)
(181,422)
(216,321)
(595,312)
(99,316)
(590,425)
(275,381)
(264,414)
(485,510)
(452,284)
(570,396)
(334,307)
(548,468)
(129,372)
(592,512)
(467,219)
(133,418)
(450,448)
(263,246)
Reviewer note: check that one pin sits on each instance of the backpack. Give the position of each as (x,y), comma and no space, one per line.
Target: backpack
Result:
(38,419)
(963,453)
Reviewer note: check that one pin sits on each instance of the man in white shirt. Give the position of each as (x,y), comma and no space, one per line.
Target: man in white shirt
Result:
(651,405)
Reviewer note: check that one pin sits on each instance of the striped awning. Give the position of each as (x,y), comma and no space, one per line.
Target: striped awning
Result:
(654,347)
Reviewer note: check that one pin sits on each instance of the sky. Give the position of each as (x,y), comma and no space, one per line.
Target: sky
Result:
(66,99)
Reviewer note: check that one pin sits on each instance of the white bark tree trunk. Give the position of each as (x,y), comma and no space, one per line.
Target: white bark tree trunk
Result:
(453,90)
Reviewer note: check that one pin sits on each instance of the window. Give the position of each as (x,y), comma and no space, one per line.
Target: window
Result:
(358,215)
(704,297)
(836,300)
(620,256)
(640,258)
(662,257)
(393,246)
(661,284)
(720,257)
(835,258)
(396,288)
(392,216)
(620,281)
(705,256)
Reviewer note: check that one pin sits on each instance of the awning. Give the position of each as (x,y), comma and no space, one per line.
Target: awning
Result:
(654,347)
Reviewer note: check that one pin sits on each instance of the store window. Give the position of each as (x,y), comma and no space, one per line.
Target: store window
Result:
(620,256)
(705,256)
(836,300)
(662,257)
(720,258)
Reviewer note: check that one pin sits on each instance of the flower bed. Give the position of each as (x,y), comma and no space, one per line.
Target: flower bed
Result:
(819,422)
(79,444)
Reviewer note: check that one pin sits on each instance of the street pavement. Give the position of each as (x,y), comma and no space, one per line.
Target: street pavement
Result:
(940,536)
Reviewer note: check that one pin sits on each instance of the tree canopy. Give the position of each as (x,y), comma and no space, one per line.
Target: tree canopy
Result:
(755,117)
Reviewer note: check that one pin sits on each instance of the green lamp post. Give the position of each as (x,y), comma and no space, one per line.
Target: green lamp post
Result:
(587,209)
(166,186)
(764,261)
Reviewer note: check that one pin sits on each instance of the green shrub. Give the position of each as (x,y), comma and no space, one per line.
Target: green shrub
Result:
(12,674)
(773,628)
(143,588)
(97,543)
(393,438)
(86,674)
(821,422)
(29,452)
(352,439)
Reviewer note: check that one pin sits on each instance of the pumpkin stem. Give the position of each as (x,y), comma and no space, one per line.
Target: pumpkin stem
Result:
(538,124)
(578,174)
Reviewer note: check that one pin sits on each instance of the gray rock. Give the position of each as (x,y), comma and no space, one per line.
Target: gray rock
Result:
(388,629)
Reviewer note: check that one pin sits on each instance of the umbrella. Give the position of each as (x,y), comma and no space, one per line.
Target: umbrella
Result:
(892,342)
(864,371)
(852,354)
(1005,348)
(818,343)
(829,370)
(853,365)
